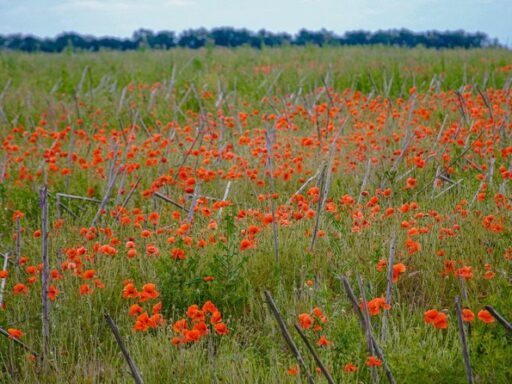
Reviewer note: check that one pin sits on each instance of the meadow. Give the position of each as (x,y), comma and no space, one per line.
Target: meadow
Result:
(182,193)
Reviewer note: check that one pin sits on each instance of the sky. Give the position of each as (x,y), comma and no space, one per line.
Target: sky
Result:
(121,17)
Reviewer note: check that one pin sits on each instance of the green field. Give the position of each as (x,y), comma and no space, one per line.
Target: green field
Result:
(217,174)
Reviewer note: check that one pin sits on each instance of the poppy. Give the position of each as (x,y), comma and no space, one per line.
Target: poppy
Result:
(15,333)
(53,292)
(468,315)
(397,270)
(323,341)
(85,289)
(20,289)
(485,316)
(373,362)
(305,321)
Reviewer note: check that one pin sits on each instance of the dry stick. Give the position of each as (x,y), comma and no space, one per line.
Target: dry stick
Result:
(71,144)
(197,190)
(18,240)
(272,200)
(365,180)
(325,182)
(59,205)
(405,144)
(106,197)
(224,198)
(286,335)
(362,319)
(171,83)
(18,341)
(488,180)
(462,336)
(133,368)
(499,317)
(502,185)
(332,152)
(447,189)
(3,169)
(65,195)
(170,201)
(121,101)
(315,355)
(391,263)
(306,183)
(4,280)
(464,292)
(367,327)
(2,95)
(43,202)
(318,209)
(375,346)
(132,190)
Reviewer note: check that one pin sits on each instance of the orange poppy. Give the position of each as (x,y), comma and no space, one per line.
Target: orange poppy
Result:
(485,316)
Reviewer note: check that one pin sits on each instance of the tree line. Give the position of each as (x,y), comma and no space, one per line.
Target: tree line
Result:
(232,37)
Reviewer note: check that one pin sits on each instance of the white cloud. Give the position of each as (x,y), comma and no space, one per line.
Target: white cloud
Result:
(121,5)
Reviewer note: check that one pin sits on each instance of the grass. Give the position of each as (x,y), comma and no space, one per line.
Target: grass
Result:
(206,126)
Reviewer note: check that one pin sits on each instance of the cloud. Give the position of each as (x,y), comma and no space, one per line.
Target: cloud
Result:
(121,5)
(180,3)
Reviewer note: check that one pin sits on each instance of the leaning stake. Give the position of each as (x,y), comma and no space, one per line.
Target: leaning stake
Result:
(391,264)
(500,318)
(315,355)
(287,335)
(18,342)
(375,346)
(462,336)
(43,201)
(133,368)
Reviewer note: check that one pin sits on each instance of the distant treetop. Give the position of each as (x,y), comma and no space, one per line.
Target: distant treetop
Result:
(232,37)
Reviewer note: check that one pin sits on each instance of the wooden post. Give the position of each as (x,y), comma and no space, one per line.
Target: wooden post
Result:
(463,342)
(133,368)
(315,355)
(43,201)
(286,335)
(500,318)
(391,263)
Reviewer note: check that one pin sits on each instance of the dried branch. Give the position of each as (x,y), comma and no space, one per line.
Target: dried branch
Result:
(133,368)
(315,355)
(18,342)
(287,336)
(170,201)
(106,196)
(391,263)
(462,336)
(4,280)
(366,326)
(500,318)
(43,202)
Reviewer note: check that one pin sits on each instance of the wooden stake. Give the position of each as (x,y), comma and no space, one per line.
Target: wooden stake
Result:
(18,341)
(43,201)
(287,336)
(18,241)
(463,342)
(500,318)
(4,280)
(106,196)
(375,346)
(391,263)
(170,201)
(315,355)
(133,368)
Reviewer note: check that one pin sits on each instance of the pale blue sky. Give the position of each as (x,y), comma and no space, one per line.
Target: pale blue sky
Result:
(122,17)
